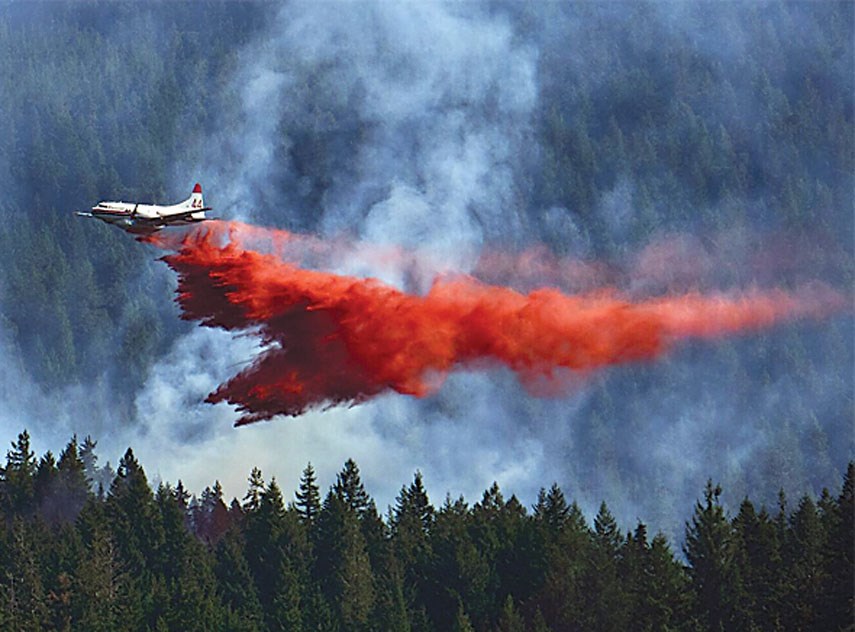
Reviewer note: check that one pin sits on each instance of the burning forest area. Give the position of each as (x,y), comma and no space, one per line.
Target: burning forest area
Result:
(571,282)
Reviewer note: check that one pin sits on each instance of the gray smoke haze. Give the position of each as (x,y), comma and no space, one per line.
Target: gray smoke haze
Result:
(424,118)
(448,95)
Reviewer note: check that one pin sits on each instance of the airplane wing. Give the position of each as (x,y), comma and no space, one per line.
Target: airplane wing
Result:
(82,214)
(166,220)
(184,215)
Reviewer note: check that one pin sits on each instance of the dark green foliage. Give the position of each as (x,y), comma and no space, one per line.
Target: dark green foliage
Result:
(210,516)
(709,550)
(342,565)
(758,567)
(839,553)
(189,583)
(309,496)
(139,560)
(656,595)
(411,523)
(18,477)
(275,552)
(805,577)
(235,584)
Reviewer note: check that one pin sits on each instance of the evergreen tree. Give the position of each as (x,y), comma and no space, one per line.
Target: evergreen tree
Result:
(130,561)
(758,568)
(24,601)
(461,621)
(411,522)
(390,605)
(275,553)
(839,589)
(606,603)
(552,508)
(350,490)
(44,487)
(655,583)
(539,624)
(103,588)
(211,517)
(90,461)
(567,543)
(72,487)
(18,477)
(308,496)
(236,586)
(137,533)
(342,567)
(184,569)
(805,569)
(62,555)
(459,575)
(252,500)
(509,619)
(709,551)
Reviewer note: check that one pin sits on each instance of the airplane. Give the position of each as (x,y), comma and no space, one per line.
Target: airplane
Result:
(144,219)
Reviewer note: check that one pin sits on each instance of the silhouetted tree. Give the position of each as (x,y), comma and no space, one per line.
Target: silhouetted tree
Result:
(308,496)
(709,551)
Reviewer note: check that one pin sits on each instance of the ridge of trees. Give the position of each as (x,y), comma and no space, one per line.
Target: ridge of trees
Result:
(129,557)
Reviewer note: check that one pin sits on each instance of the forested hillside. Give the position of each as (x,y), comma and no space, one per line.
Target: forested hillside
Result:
(98,101)
(127,558)
(680,146)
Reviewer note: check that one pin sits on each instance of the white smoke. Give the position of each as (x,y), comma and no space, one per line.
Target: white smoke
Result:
(445,95)
(437,103)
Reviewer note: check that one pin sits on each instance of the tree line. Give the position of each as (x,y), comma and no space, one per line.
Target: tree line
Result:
(78,554)
(644,125)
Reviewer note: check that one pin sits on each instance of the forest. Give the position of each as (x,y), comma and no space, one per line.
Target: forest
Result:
(130,558)
(594,130)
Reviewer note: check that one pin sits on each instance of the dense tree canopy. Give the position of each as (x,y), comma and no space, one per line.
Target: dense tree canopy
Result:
(144,560)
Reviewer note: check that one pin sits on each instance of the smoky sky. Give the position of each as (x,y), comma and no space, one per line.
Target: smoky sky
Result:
(419,126)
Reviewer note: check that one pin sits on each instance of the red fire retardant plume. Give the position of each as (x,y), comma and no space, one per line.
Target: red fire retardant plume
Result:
(332,339)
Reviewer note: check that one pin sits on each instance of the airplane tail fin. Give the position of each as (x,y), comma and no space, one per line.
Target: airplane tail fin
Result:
(196,201)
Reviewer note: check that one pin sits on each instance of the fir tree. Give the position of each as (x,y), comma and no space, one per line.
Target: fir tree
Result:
(805,569)
(252,499)
(350,490)
(709,551)
(18,477)
(758,569)
(137,533)
(342,566)
(72,486)
(606,601)
(509,619)
(25,602)
(411,521)
(235,585)
(461,621)
(308,496)
(839,589)
(103,588)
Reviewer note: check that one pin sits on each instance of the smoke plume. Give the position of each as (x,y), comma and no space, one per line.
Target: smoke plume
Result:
(330,339)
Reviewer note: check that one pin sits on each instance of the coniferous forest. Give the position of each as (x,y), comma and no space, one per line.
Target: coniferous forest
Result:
(130,558)
(710,143)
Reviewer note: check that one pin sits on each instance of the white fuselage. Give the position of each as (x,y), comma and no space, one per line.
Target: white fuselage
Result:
(147,218)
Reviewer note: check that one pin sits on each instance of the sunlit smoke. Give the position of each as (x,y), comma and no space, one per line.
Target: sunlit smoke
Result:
(330,339)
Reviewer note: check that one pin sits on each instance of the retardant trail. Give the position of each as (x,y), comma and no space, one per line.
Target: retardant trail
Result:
(332,339)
